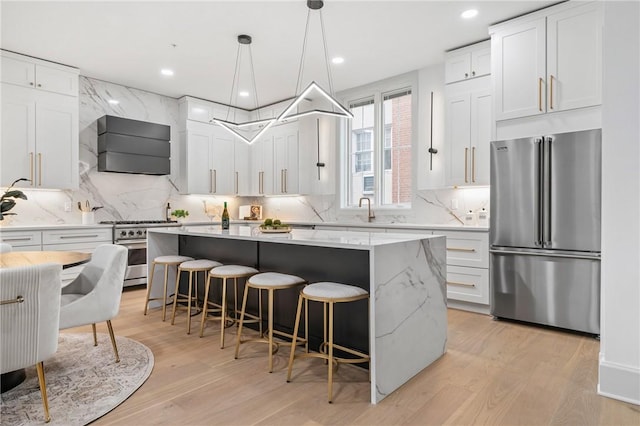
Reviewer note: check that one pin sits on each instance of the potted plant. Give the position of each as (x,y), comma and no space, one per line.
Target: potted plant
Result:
(8,199)
(179,214)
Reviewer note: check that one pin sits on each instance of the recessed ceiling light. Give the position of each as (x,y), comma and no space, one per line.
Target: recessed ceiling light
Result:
(337,60)
(243,93)
(167,72)
(468,14)
(113,101)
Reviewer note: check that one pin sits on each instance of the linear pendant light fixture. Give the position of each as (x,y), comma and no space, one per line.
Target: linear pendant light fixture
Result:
(288,113)
(231,126)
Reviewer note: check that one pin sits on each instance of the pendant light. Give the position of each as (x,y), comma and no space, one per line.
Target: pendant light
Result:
(337,109)
(239,129)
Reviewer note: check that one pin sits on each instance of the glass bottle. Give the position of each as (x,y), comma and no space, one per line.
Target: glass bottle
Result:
(225,217)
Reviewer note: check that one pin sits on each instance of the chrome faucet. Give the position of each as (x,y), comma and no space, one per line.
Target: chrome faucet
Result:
(371,214)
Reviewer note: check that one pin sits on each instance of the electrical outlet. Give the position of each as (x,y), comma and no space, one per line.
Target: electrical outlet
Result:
(67,206)
(454,204)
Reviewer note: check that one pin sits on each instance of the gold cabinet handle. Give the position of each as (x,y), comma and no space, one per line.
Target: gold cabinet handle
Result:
(540,94)
(286,178)
(215,181)
(281,180)
(31,168)
(39,169)
(473,164)
(466,250)
(210,181)
(236,182)
(466,154)
(460,284)
(261,182)
(550,91)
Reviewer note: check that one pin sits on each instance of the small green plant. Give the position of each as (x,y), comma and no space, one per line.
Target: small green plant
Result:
(180,213)
(8,199)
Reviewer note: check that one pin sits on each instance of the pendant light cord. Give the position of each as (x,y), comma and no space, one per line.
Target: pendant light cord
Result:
(233,84)
(304,50)
(326,54)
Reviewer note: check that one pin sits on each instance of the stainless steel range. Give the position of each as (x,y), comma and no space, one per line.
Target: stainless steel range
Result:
(133,235)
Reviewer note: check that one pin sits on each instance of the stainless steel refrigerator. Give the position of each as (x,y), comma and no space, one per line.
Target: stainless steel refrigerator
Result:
(545,230)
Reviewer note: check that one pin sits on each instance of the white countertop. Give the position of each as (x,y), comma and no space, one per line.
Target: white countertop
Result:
(51,227)
(324,238)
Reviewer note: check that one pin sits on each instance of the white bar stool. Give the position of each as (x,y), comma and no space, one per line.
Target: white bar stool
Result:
(269,281)
(225,272)
(328,293)
(165,261)
(191,266)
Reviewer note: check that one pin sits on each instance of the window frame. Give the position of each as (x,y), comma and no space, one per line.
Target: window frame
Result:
(376,91)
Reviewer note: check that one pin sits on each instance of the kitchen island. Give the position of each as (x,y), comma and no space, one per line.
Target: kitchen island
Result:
(404,326)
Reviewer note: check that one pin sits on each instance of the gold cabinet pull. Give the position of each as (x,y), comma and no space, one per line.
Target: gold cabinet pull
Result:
(286,177)
(550,91)
(31,168)
(473,164)
(210,181)
(460,284)
(236,182)
(215,181)
(261,182)
(466,154)
(18,299)
(281,180)
(540,94)
(39,169)
(465,250)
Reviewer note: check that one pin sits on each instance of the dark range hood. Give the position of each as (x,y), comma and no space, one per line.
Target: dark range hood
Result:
(132,146)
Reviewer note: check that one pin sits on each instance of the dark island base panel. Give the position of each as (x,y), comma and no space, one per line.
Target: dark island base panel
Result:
(312,263)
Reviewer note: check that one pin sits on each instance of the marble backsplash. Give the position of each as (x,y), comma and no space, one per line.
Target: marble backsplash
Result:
(139,197)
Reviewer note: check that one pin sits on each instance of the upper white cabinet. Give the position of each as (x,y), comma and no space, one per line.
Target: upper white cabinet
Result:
(286,172)
(27,72)
(468,62)
(548,61)
(468,125)
(39,124)
(261,173)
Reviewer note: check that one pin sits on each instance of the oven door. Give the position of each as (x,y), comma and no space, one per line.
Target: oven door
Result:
(137,262)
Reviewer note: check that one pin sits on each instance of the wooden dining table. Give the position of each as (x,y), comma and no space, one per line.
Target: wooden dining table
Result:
(24,258)
(14,259)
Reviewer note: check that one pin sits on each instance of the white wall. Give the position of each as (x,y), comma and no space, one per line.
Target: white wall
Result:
(620,327)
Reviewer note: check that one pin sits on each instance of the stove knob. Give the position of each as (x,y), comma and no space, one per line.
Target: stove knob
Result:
(139,232)
(131,233)
(123,233)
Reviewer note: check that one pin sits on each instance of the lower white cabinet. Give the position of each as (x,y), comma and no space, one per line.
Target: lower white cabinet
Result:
(468,284)
(84,239)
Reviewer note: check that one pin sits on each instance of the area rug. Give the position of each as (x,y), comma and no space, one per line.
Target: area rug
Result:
(83,381)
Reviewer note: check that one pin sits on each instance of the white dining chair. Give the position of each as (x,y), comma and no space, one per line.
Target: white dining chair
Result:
(94,296)
(5,248)
(29,313)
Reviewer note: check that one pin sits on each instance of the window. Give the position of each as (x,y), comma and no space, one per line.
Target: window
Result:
(379,144)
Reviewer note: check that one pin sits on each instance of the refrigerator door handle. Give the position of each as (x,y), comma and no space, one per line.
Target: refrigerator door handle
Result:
(546,217)
(547,254)
(538,194)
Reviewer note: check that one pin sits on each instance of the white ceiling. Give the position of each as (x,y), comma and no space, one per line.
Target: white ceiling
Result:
(128,42)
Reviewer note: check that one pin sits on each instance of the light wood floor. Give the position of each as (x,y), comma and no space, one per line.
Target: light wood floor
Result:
(494,372)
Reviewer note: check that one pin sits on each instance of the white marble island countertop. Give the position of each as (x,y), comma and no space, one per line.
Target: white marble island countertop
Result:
(320,238)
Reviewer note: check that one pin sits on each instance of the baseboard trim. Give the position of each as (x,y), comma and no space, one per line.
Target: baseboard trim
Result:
(619,381)
(467,306)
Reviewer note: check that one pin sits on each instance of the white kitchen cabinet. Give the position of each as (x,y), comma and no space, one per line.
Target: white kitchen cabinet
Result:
(242,179)
(261,170)
(317,144)
(548,61)
(39,127)
(285,146)
(222,162)
(22,240)
(468,132)
(468,62)
(40,75)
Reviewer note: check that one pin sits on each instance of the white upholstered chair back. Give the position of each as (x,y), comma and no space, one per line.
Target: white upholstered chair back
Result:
(94,296)
(29,329)
(5,248)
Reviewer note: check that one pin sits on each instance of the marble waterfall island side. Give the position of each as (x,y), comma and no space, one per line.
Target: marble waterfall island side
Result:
(404,325)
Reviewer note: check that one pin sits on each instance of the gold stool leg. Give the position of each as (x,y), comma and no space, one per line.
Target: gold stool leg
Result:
(189,301)
(270,307)
(164,295)
(113,340)
(175,297)
(241,321)
(149,282)
(223,315)
(295,333)
(330,352)
(43,391)
(95,335)
(205,307)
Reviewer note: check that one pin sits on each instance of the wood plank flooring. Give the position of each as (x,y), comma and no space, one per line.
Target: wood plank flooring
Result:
(494,372)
